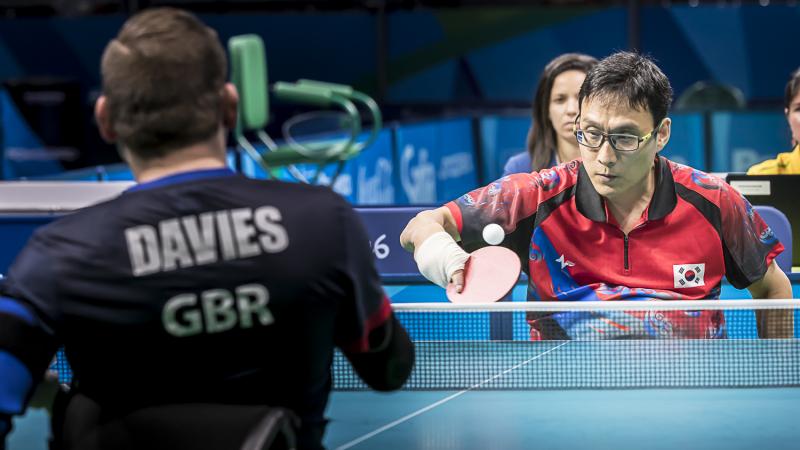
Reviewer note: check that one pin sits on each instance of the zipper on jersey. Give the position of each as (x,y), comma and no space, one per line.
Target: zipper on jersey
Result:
(626,266)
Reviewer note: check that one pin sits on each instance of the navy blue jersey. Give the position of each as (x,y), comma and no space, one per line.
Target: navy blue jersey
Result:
(205,287)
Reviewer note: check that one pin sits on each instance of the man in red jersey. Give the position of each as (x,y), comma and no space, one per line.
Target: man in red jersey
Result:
(622,223)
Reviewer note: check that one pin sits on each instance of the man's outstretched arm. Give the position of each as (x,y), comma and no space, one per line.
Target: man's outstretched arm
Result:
(777,323)
(431,236)
(425,224)
(25,353)
(388,365)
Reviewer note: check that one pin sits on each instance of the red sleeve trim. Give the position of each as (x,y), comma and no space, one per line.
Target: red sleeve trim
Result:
(456,212)
(376,320)
(776,250)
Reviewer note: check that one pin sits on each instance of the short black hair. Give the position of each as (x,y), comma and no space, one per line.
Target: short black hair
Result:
(632,78)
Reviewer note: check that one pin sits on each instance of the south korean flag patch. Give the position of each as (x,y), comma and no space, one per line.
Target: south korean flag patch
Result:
(689,275)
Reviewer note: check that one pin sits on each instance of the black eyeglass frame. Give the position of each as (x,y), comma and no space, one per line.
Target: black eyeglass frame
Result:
(607,136)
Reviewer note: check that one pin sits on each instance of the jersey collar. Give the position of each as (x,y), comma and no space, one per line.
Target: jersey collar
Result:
(591,205)
(183,177)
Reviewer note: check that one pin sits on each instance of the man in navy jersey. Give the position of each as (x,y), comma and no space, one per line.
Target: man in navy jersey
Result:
(621,223)
(198,285)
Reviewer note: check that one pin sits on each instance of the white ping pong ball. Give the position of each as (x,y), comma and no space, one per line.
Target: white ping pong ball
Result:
(493,234)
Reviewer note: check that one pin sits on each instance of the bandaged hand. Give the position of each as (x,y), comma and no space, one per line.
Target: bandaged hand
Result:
(439,257)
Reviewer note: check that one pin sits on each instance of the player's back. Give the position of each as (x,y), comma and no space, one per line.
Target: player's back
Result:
(221,289)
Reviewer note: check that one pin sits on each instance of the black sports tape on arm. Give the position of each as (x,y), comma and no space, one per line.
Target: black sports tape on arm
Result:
(29,344)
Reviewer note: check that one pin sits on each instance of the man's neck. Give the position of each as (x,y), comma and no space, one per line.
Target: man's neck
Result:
(196,157)
(627,209)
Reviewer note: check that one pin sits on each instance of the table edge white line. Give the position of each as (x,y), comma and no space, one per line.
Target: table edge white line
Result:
(393,424)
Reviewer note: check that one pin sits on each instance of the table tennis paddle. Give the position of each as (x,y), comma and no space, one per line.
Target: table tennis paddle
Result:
(489,274)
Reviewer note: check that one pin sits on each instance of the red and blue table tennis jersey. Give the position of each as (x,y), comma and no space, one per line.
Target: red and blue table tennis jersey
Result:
(696,230)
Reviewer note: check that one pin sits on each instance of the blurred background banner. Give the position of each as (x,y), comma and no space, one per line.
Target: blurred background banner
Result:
(500,140)
(453,79)
(741,139)
(436,161)
(687,140)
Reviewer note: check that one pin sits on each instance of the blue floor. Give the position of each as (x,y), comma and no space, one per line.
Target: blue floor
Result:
(729,419)
(721,419)
(30,431)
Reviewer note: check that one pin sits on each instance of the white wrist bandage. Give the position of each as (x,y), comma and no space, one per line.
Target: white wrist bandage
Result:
(439,257)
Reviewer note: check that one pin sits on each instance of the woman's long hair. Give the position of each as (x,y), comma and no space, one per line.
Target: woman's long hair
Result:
(792,89)
(541,141)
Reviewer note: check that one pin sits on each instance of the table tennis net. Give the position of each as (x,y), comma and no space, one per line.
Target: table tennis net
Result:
(597,345)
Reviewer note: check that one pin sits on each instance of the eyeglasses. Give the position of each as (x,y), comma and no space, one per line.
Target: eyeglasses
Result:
(624,143)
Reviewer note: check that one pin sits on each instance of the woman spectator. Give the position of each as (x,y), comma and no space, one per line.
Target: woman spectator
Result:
(550,139)
(787,163)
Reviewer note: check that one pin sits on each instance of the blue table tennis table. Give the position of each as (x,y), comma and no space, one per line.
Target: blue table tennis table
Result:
(614,417)
(733,394)
(720,419)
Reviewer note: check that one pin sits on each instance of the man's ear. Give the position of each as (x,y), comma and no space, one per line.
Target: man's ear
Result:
(664,133)
(230,105)
(103,120)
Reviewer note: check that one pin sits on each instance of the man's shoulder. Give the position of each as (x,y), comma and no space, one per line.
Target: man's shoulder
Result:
(209,195)
(239,182)
(235,190)
(709,186)
(560,177)
(548,182)
(694,179)
(295,192)
(81,221)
